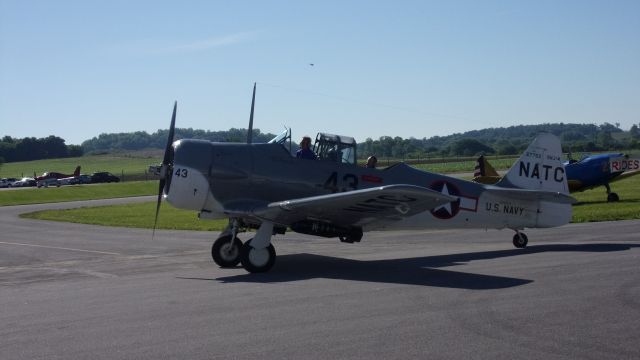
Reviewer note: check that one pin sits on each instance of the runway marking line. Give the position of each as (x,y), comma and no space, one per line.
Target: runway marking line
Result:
(61,248)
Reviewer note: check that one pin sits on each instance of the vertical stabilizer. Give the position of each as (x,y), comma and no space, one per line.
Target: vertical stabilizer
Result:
(483,168)
(539,168)
(76,172)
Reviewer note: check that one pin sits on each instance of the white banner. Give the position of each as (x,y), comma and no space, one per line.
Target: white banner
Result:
(624,164)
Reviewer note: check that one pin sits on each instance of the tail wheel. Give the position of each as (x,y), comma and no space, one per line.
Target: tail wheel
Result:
(257,260)
(226,253)
(520,240)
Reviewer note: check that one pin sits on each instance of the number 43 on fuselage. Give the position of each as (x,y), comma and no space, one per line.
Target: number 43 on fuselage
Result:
(264,186)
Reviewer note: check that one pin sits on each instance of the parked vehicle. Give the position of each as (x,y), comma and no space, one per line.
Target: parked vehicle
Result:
(102,177)
(48,182)
(72,180)
(24,182)
(75,180)
(7,182)
(84,179)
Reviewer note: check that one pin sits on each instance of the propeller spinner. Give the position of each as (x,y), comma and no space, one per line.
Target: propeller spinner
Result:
(165,168)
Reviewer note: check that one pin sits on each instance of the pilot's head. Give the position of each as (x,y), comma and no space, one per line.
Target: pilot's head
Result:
(305,143)
(372,161)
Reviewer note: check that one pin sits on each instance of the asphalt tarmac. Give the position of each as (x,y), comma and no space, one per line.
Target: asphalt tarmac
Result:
(72,291)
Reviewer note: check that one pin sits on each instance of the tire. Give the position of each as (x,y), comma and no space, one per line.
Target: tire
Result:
(520,240)
(613,197)
(222,255)
(257,261)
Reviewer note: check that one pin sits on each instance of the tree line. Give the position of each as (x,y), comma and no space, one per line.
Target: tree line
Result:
(500,141)
(504,141)
(158,140)
(31,148)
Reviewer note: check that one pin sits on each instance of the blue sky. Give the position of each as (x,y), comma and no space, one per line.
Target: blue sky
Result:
(76,69)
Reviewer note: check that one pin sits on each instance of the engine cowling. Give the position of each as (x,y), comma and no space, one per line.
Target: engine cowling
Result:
(188,185)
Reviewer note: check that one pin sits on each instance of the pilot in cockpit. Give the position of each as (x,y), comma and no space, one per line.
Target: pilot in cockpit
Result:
(372,161)
(305,151)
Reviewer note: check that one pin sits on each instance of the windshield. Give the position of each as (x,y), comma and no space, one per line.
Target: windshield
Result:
(283,139)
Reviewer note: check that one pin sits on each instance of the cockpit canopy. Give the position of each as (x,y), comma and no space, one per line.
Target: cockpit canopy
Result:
(336,148)
(328,147)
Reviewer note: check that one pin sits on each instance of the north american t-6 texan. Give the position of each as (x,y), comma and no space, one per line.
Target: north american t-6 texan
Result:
(264,186)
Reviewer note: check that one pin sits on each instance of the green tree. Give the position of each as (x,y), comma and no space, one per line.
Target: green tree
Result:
(468,147)
(606,140)
(634,132)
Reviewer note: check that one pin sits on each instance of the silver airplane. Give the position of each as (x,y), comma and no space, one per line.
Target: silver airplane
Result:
(266,187)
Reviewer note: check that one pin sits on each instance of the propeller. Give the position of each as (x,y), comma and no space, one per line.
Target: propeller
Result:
(253,102)
(167,163)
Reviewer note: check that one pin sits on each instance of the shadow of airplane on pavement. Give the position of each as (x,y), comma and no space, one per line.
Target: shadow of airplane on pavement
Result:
(410,271)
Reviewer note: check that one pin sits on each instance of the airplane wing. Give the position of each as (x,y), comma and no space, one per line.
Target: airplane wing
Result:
(358,207)
(532,195)
(625,175)
(574,185)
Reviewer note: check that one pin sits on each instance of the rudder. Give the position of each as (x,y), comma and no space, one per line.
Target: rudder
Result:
(539,168)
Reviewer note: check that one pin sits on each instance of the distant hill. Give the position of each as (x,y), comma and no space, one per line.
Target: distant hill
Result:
(504,141)
(508,141)
(139,140)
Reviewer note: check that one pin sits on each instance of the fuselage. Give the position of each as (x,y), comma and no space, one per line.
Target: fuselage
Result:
(220,178)
(591,171)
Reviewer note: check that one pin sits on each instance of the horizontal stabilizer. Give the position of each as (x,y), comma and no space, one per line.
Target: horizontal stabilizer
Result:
(625,175)
(532,195)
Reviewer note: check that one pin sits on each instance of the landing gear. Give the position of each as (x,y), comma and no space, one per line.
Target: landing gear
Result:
(256,260)
(258,255)
(226,249)
(611,196)
(226,252)
(520,240)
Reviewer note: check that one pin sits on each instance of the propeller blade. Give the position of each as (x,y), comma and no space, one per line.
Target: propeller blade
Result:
(250,130)
(165,169)
(155,222)
(172,130)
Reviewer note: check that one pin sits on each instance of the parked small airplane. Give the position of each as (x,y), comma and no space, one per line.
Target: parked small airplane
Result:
(264,187)
(588,173)
(57,175)
(52,177)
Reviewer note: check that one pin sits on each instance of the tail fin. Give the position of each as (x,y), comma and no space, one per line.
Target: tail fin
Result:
(483,168)
(539,168)
(76,173)
(479,169)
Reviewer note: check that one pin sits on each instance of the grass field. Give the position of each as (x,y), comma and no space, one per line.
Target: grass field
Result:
(77,192)
(591,206)
(130,164)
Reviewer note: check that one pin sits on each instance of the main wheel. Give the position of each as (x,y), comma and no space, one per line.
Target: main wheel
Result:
(520,240)
(225,253)
(257,260)
(613,197)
